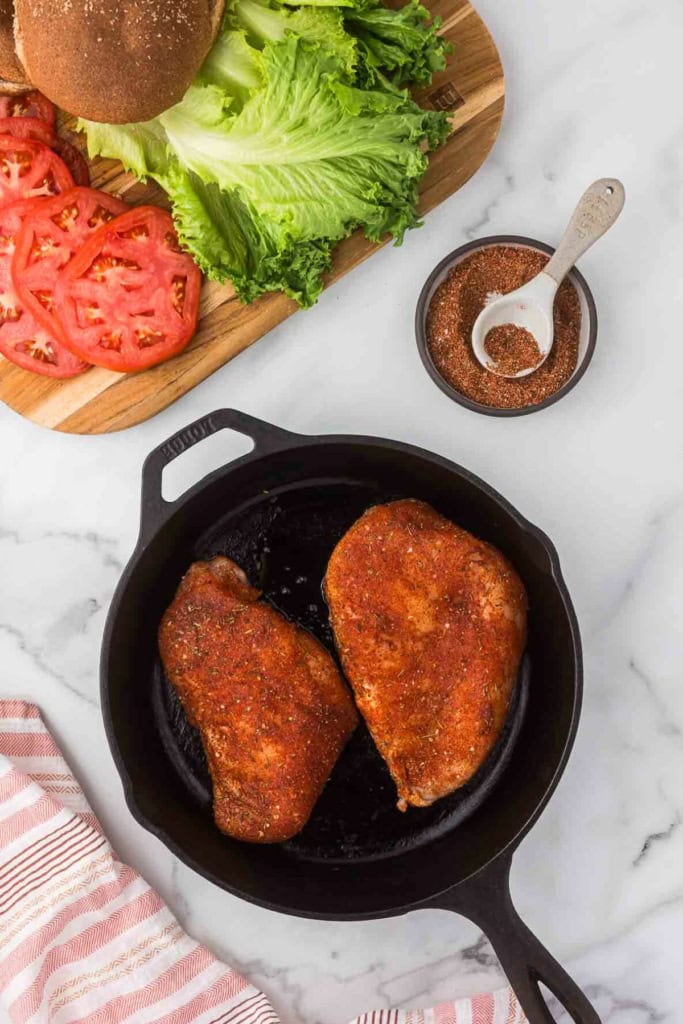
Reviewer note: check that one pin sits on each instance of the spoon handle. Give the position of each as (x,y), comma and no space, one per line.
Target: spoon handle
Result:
(596,211)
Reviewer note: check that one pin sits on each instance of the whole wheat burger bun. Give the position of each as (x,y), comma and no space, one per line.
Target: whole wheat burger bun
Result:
(114,60)
(12,75)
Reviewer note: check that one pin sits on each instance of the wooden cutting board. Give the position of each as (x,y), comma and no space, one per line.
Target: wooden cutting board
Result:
(472,88)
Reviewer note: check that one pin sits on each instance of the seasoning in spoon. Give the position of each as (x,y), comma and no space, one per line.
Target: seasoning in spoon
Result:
(512,349)
(456,304)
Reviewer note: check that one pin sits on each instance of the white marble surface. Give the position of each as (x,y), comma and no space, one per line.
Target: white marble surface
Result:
(593,89)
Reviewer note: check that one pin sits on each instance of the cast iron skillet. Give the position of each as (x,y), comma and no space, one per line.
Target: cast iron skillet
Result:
(278,511)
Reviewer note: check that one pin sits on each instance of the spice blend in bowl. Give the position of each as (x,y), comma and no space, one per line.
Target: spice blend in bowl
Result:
(456,304)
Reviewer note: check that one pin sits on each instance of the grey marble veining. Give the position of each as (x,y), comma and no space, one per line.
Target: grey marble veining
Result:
(593,89)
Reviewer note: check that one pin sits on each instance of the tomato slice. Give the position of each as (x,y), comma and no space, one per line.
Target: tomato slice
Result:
(129,298)
(74,160)
(23,340)
(52,232)
(28,104)
(29,169)
(29,128)
(41,131)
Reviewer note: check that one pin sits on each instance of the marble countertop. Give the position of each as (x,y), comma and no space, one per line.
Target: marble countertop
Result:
(593,90)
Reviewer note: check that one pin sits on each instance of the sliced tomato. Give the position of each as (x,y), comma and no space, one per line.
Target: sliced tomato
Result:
(29,169)
(53,231)
(41,131)
(74,160)
(29,128)
(28,104)
(24,340)
(129,298)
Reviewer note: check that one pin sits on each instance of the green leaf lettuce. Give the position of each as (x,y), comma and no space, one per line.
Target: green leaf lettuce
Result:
(294,133)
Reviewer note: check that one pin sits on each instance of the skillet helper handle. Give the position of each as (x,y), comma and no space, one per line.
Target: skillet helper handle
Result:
(154,508)
(486,900)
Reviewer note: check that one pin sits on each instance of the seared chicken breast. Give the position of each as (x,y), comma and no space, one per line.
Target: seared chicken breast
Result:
(272,709)
(430,624)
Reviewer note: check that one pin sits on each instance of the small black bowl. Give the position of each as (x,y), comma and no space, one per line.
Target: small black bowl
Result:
(589,324)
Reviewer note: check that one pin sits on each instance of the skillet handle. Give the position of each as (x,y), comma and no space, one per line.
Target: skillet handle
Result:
(154,508)
(485,899)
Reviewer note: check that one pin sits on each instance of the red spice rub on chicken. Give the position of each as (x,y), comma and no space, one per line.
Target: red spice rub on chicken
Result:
(430,623)
(271,706)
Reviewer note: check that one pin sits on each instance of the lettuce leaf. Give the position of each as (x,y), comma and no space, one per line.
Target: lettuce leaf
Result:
(379,45)
(291,136)
(141,148)
(233,66)
(307,152)
(324,25)
(403,45)
(229,241)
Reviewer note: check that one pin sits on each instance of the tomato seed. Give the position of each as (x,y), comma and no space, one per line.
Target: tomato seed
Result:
(66,219)
(93,315)
(42,351)
(178,294)
(45,299)
(104,264)
(147,338)
(137,232)
(42,247)
(99,217)
(8,310)
(111,340)
(88,315)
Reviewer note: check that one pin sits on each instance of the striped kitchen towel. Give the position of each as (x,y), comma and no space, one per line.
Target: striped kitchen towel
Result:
(85,940)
